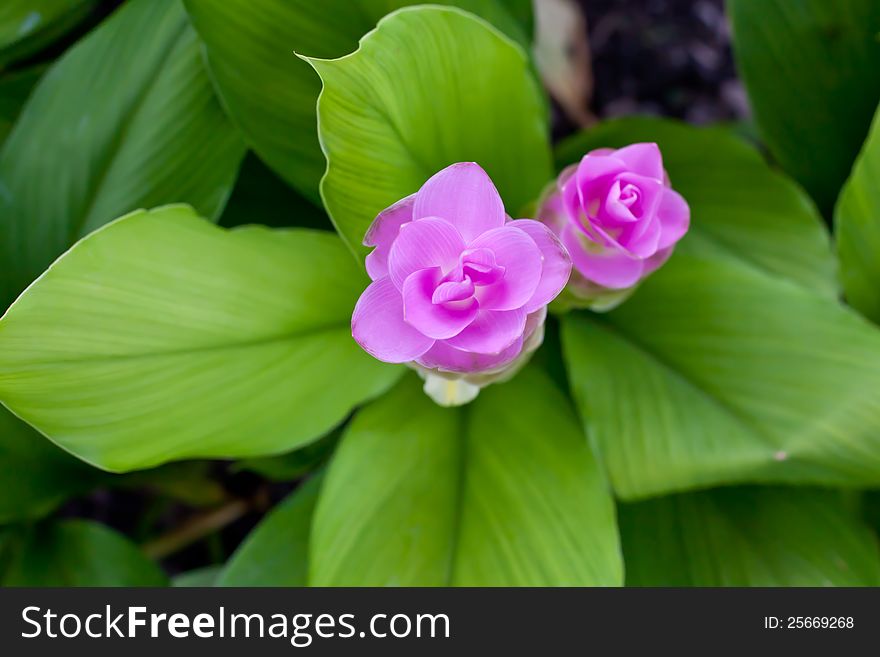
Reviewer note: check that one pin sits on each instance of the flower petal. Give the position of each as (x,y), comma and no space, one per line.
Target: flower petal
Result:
(491,331)
(382,233)
(447,358)
(675,218)
(423,244)
(556,265)
(435,320)
(609,266)
(377,325)
(521,258)
(644,159)
(464,195)
(657,260)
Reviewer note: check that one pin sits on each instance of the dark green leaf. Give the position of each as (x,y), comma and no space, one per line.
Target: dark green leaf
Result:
(125,119)
(810,67)
(276,552)
(270,93)
(857,227)
(747,537)
(26,26)
(77,553)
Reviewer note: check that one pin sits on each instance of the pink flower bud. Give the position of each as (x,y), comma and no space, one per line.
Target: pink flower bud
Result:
(459,289)
(618,217)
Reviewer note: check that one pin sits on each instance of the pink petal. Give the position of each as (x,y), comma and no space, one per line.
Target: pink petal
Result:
(643,241)
(653,263)
(435,320)
(453,291)
(423,244)
(382,233)
(464,195)
(521,258)
(377,325)
(675,218)
(556,266)
(491,332)
(609,266)
(444,357)
(583,192)
(644,159)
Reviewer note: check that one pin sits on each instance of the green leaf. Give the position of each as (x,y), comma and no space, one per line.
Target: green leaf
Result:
(14,90)
(261,197)
(77,553)
(36,475)
(502,492)
(857,228)
(276,552)
(740,207)
(26,26)
(269,93)
(200,577)
(810,68)
(411,101)
(292,465)
(163,337)
(714,373)
(747,537)
(138,126)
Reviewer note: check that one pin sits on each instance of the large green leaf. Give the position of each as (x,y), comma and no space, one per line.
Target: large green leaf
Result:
(715,373)
(747,537)
(270,94)
(76,553)
(857,228)
(429,87)
(26,26)
(503,492)
(161,336)
(276,552)
(740,207)
(810,67)
(126,119)
(35,474)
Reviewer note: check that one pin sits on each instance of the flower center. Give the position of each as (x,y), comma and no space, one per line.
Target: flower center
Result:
(475,268)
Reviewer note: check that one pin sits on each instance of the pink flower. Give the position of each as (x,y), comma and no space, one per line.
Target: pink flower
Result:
(459,289)
(619,219)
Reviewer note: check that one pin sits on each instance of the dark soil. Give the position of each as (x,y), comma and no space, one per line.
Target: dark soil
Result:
(662,57)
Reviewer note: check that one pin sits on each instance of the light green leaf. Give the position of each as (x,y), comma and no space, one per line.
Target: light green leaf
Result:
(125,119)
(36,475)
(747,537)
(502,492)
(77,553)
(810,68)
(714,373)
(271,94)
(740,207)
(163,337)
(857,228)
(275,553)
(412,100)
(26,26)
